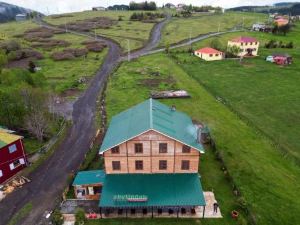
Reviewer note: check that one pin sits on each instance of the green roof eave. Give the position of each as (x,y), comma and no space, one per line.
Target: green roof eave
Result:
(159,189)
(89,177)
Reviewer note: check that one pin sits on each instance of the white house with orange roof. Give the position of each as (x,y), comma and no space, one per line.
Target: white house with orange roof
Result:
(209,54)
(248,45)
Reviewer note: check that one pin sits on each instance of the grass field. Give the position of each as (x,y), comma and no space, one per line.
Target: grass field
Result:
(264,94)
(61,75)
(136,32)
(179,29)
(268,181)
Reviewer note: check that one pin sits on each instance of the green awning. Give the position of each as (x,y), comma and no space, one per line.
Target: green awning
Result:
(151,115)
(89,177)
(146,190)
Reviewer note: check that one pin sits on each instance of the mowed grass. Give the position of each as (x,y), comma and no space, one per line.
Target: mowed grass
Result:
(268,181)
(136,32)
(179,29)
(264,94)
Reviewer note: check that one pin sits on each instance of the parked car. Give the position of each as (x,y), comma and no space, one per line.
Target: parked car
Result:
(270,58)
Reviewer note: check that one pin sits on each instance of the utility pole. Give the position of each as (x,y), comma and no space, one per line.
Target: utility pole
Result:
(128,47)
(219,27)
(66,25)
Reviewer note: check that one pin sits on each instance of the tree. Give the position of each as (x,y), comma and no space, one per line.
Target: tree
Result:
(234,50)
(57,218)
(216,44)
(36,119)
(284,29)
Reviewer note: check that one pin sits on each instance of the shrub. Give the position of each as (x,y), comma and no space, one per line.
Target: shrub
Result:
(10,46)
(57,218)
(80,216)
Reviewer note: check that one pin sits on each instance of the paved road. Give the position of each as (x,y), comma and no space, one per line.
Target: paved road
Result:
(50,179)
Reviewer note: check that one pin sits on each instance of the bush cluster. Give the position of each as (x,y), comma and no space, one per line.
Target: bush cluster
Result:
(148,16)
(279,44)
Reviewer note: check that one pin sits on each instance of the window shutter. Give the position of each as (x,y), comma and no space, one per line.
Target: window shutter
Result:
(22,161)
(1,173)
(11,166)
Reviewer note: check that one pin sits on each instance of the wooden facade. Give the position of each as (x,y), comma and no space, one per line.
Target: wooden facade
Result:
(160,154)
(88,192)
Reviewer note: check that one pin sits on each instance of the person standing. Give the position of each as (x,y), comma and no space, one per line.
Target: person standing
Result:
(216,206)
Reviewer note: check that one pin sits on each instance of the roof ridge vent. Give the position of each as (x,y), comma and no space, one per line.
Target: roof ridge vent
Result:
(151,114)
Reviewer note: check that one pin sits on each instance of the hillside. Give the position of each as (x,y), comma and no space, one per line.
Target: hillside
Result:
(283,8)
(8,11)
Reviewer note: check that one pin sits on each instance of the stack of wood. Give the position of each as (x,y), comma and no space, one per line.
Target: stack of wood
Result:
(15,183)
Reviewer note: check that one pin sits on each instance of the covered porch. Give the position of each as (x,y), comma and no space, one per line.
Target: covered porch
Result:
(152,195)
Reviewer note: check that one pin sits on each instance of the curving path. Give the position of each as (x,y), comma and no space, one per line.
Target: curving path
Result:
(50,179)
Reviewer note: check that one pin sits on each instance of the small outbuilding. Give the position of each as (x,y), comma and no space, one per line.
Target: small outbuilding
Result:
(209,54)
(21,17)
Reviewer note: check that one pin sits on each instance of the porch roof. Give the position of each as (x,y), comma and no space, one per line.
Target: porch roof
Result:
(144,190)
(89,177)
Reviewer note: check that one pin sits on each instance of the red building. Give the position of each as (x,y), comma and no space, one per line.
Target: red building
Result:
(12,154)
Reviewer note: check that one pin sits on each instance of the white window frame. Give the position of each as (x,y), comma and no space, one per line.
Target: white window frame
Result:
(1,173)
(12,148)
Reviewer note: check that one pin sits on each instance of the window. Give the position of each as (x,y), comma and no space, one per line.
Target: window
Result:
(139,165)
(186,149)
(115,150)
(210,55)
(1,173)
(242,44)
(250,43)
(97,190)
(16,163)
(138,147)
(12,148)
(217,54)
(116,165)
(163,164)
(185,164)
(163,147)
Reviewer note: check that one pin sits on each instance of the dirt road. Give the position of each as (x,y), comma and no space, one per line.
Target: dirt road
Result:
(50,179)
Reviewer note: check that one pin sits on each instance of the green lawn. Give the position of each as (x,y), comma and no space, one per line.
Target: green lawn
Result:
(136,32)
(181,28)
(264,94)
(268,181)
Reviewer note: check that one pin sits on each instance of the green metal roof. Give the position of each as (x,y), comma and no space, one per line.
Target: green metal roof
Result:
(159,189)
(151,115)
(89,177)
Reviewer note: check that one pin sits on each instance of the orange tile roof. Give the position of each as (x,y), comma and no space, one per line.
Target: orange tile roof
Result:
(208,50)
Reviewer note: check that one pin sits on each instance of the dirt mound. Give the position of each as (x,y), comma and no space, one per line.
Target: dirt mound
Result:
(27,53)
(36,34)
(61,16)
(48,44)
(90,24)
(69,53)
